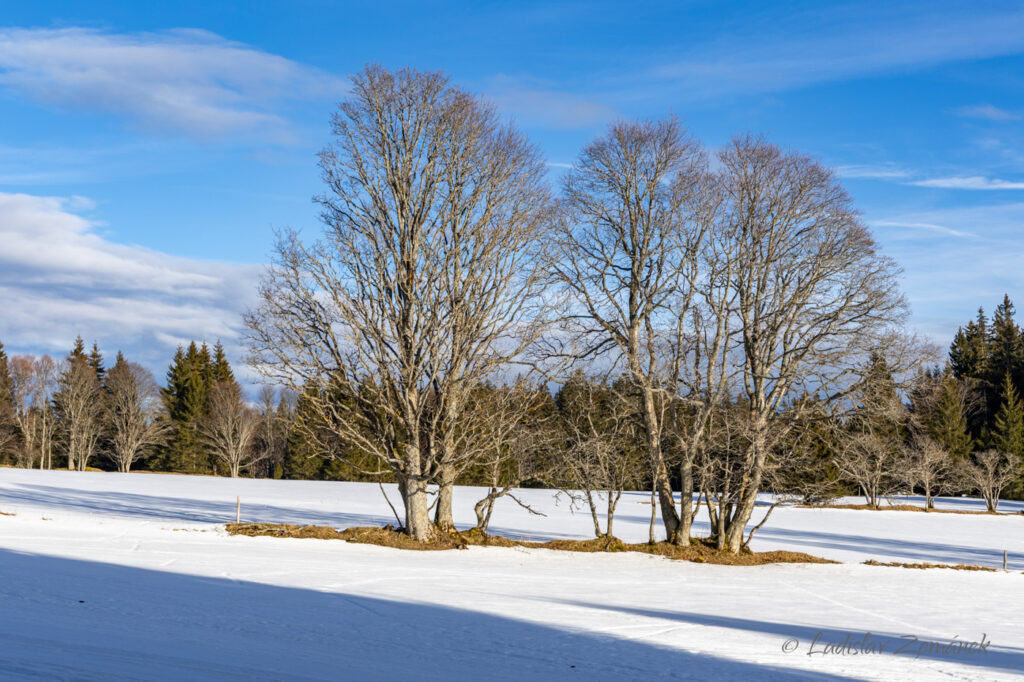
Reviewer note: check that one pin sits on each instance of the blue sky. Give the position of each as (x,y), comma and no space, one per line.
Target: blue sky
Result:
(148,150)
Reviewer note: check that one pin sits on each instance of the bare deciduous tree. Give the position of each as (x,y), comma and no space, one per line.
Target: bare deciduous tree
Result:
(813,294)
(229,426)
(424,284)
(626,262)
(928,466)
(135,413)
(601,458)
(989,473)
(80,403)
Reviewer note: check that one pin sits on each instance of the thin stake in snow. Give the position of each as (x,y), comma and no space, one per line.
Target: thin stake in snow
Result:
(1004,560)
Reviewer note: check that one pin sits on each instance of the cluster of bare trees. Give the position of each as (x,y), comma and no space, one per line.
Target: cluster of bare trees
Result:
(446,262)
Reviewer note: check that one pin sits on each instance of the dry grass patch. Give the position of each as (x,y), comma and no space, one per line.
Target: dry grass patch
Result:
(699,551)
(955,567)
(3,513)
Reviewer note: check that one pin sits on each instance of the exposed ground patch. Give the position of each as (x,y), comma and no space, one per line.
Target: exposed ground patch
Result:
(698,551)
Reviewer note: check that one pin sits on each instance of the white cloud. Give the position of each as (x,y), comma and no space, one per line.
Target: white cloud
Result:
(930,227)
(866,171)
(973,182)
(988,113)
(59,279)
(187,81)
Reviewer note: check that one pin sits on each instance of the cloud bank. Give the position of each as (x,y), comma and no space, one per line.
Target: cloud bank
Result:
(184,81)
(59,277)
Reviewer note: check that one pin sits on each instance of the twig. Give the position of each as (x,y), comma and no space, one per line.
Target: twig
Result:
(382,492)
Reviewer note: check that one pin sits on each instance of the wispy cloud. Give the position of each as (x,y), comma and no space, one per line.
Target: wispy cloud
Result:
(60,278)
(186,81)
(930,227)
(841,42)
(973,182)
(867,171)
(542,105)
(987,112)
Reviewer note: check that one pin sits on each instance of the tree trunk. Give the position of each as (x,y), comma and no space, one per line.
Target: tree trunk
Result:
(663,485)
(417,510)
(685,502)
(748,493)
(445,485)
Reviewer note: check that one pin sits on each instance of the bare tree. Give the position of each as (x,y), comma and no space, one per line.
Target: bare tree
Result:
(25,413)
(425,282)
(80,404)
(229,427)
(508,438)
(44,385)
(813,294)
(135,413)
(626,261)
(928,466)
(989,473)
(275,410)
(601,458)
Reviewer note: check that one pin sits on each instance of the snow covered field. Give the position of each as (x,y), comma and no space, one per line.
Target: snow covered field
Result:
(133,577)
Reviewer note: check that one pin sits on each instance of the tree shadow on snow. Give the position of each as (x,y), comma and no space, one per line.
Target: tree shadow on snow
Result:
(998,658)
(179,508)
(89,620)
(891,547)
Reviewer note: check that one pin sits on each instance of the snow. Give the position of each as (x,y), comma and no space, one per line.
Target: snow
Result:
(131,576)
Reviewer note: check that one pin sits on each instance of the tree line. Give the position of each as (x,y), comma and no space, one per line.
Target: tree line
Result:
(76,413)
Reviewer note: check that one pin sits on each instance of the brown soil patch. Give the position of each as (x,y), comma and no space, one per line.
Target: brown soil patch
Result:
(698,551)
(955,567)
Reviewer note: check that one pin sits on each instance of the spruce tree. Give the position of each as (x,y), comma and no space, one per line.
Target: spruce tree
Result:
(947,424)
(96,362)
(1006,353)
(221,369)
(8,428)
(968,354)
(1008,427)
(189,379)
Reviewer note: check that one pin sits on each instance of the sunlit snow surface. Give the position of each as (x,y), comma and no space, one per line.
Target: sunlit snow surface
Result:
(111,576)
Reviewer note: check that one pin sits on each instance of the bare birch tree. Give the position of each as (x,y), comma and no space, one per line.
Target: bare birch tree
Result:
(626,261)
(424,283)
(135,413)
(229,427)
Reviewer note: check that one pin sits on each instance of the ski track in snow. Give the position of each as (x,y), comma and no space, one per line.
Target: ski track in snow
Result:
(131,576)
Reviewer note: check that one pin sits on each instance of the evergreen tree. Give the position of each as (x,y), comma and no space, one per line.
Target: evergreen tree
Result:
(1008,427)
(96,362)
(302,458)
(968,354)
(1006,355)
(8,428)
(221,369)
(189,379)
(947,423)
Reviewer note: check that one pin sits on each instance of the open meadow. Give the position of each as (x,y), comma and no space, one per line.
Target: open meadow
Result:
(133,576)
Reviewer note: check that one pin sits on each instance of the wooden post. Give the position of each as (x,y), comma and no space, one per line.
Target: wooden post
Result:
(238,509)
(1004,560)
